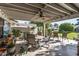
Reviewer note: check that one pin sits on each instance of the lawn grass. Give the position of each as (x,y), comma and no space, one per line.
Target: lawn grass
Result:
(72,35)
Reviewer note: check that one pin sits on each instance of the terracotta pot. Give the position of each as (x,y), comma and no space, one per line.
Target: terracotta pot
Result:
(2,49)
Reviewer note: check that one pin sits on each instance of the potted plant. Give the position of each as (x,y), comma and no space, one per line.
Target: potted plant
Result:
(16,33)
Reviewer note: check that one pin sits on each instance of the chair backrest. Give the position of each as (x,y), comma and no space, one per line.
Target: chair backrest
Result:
(31,39)
(55,34)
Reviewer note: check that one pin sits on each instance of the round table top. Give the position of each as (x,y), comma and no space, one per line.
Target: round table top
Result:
(21,41)
(39,37)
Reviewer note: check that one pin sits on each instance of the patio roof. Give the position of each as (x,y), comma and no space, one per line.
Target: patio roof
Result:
(41,11)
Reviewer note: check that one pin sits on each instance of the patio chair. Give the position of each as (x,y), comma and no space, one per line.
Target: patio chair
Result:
(55,34)
(31,41)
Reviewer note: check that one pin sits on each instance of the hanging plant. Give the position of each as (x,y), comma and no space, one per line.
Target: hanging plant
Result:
(16,33)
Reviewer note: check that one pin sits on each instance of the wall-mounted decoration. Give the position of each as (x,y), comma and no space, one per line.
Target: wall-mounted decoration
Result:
(6,28)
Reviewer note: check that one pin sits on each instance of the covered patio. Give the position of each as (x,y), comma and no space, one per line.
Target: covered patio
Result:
(40,12)
(44,13)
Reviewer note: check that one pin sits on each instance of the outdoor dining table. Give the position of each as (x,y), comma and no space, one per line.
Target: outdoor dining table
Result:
(39,37)
(21,41)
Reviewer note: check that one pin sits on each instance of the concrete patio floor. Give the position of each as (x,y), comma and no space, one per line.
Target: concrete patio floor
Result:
(65,48)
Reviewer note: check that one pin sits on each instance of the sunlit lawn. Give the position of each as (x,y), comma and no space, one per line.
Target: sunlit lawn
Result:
(72,35)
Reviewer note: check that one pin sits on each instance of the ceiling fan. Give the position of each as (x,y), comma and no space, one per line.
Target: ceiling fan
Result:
(40,16)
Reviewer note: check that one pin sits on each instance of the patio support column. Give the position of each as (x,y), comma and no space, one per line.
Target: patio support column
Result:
(44,24)
(10,29)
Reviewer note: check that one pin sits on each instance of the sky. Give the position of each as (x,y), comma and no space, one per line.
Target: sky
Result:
(66,21)
(58,22)
(23,22)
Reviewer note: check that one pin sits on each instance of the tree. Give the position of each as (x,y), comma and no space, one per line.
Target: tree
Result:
(55,25)
(48,29)
(66,28)
(39,25)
